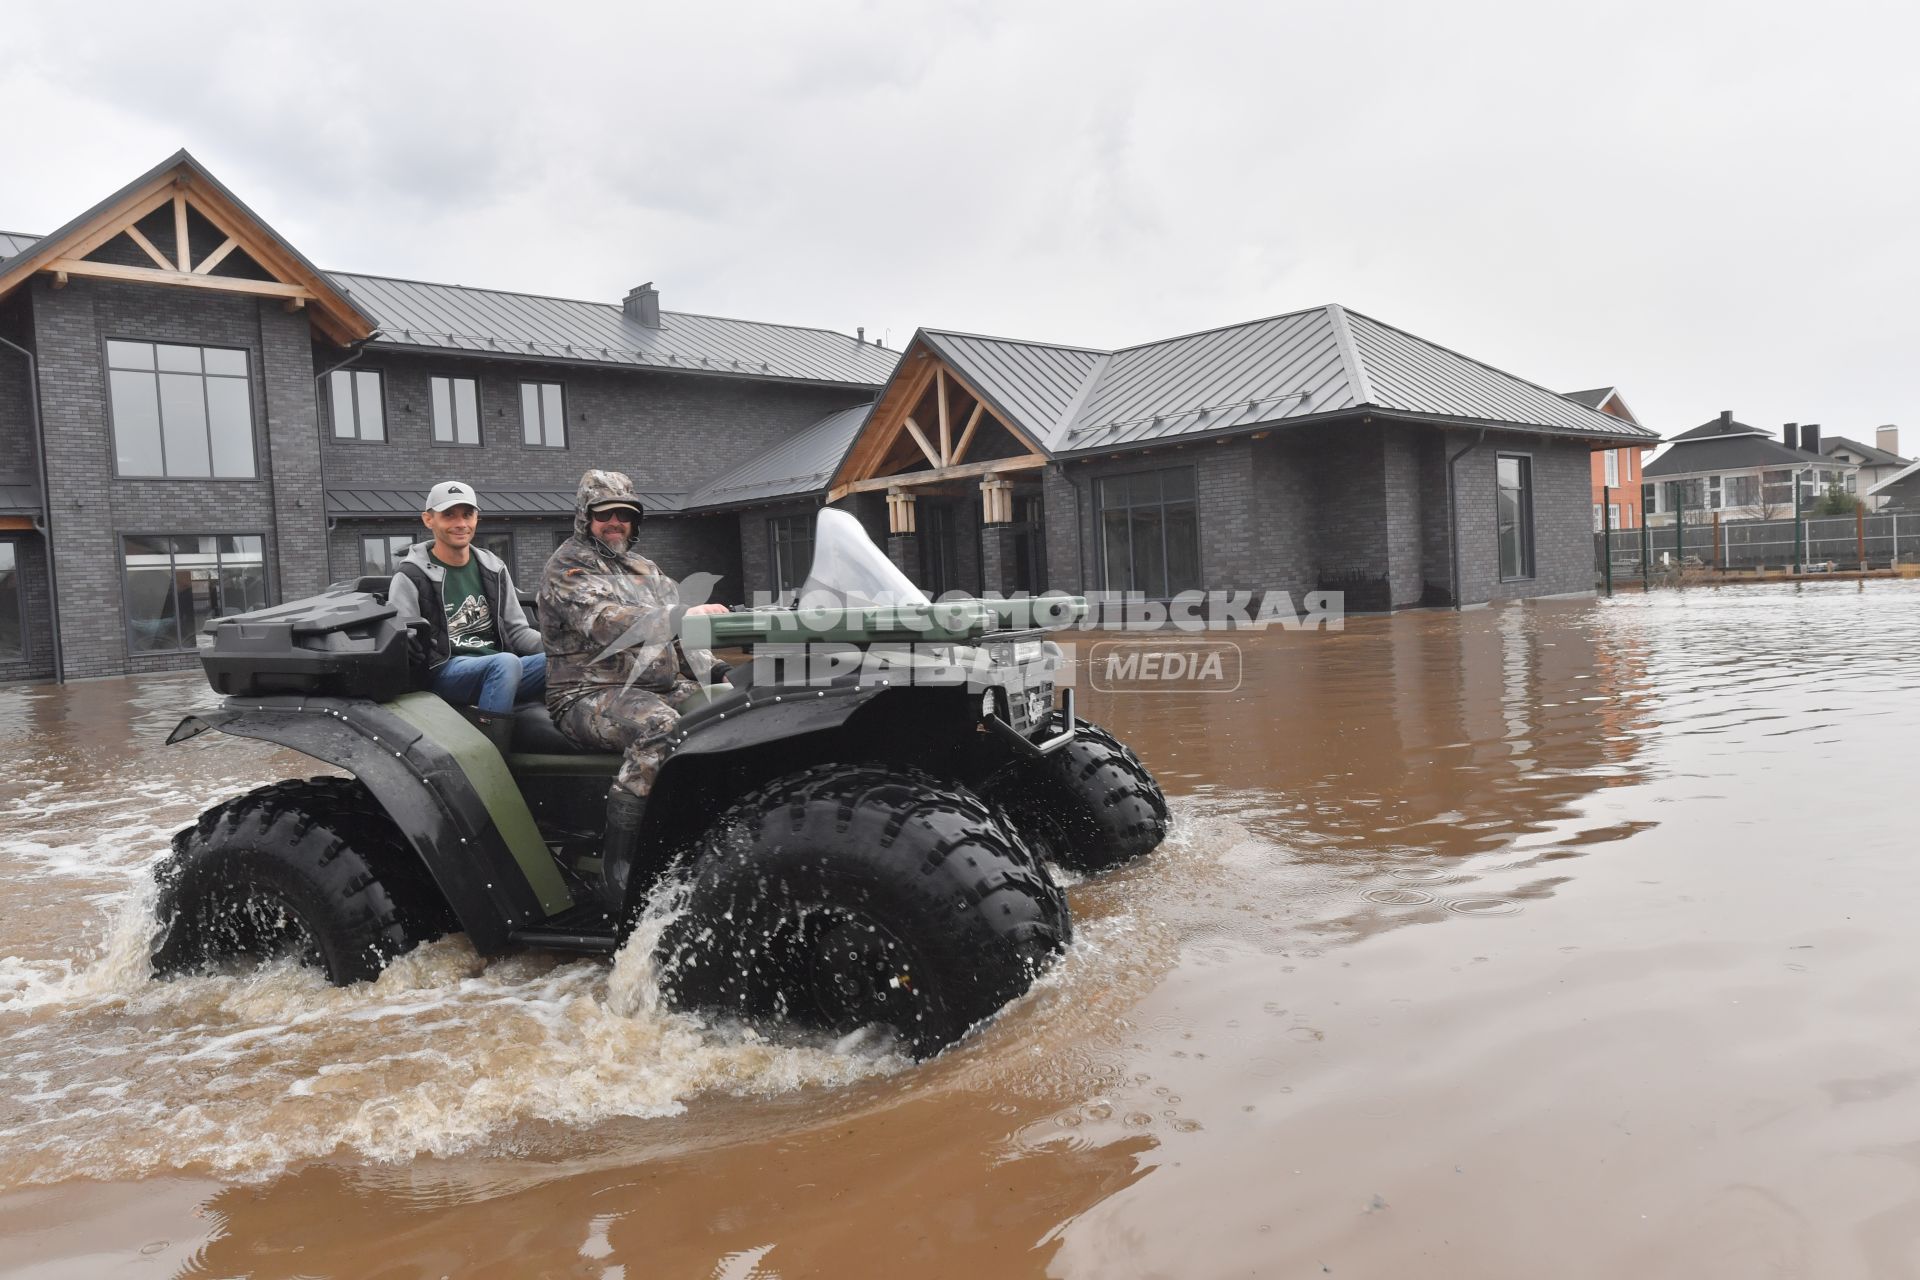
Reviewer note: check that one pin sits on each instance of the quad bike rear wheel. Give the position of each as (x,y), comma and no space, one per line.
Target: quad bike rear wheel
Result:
(848,895)
(1090,806)
(275,873)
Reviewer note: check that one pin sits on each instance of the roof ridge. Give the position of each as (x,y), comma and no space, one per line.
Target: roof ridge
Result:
(1350,354)
(1527,382)
(1018,342)
(1222,328)
(592,302)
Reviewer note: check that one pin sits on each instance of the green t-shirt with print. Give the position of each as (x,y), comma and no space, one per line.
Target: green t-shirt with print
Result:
(470,632)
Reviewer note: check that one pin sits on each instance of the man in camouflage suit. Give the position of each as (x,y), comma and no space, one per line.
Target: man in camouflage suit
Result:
(617,677)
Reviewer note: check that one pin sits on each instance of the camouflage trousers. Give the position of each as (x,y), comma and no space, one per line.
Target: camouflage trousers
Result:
(635,721)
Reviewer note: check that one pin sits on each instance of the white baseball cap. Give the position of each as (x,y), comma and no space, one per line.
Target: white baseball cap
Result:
(451,493)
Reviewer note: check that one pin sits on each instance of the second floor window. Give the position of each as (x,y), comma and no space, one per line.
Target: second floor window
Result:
(358,407)
(1613,469)
(180,412)
(456,410)
(543,414)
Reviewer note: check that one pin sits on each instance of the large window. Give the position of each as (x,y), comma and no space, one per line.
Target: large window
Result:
(790,547)
(1514,515)
(1613,468)
(543,415)
(180,411)
(176,584)
(456,410)
(1742,491)
(358,404)
(13,614)
(1776,488)
(382,554)
(1150,533)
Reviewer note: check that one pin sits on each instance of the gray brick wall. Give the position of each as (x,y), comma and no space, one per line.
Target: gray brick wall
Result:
(1562,518)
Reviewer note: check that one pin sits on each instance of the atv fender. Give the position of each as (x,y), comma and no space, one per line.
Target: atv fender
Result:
(440,781)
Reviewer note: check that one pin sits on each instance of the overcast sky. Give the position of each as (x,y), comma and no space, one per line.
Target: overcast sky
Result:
(1709,206)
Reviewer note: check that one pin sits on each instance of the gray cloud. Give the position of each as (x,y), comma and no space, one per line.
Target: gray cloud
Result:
(1709,205)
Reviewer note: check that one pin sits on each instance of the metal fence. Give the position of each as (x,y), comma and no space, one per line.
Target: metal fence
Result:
(1758,544)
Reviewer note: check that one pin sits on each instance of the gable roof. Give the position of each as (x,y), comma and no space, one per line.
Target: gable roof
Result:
(186,175)
(1897,478)
(1321,362)
(1872,456)
(449,317)
(14,242)
(1597,397)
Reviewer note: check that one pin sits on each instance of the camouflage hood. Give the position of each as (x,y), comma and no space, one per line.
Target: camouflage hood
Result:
(602,486)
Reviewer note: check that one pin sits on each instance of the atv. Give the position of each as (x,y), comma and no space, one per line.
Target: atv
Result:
(863,813)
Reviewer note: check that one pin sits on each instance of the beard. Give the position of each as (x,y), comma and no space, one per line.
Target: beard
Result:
(616,542)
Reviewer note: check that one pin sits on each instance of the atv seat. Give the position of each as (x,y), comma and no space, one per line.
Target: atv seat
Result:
(535,734)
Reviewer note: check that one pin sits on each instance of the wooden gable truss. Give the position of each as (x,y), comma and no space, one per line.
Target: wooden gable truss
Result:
(933,431)
(248,258)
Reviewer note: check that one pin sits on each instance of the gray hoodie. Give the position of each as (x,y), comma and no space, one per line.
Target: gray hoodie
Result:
(405,592)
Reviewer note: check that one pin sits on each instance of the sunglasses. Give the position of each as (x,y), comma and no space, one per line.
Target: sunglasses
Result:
(615,516)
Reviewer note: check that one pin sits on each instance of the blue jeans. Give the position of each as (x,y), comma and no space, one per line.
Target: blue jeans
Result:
(493,683)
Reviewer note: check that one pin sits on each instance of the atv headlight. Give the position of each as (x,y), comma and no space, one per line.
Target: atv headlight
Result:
(988,706)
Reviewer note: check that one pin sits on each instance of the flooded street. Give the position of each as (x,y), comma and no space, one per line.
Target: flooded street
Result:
(1572,939)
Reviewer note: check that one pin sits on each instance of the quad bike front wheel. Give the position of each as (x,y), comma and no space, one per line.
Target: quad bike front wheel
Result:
(1089,806)
(848,895)
(272,874)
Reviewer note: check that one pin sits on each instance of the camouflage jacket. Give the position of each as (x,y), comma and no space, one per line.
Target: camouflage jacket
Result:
(609,619)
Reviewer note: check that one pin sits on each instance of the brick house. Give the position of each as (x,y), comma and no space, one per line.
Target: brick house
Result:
(1616,472)
(194,420)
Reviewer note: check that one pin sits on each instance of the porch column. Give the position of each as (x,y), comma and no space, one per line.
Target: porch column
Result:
(997,547)
(903,536)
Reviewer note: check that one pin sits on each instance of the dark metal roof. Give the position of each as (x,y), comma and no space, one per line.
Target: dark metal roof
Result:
(20,499)
(795,467)
(1306,364)
(1872,457)
(1715,428)
(1593,398)
(13,242)
(1902,487)
(448,317)
(380,503)
(1731,452)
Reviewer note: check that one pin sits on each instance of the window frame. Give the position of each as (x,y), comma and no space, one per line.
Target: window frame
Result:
(108,369)
(268,588)
(1610,469)
(353,376)
(566,441)
(1100,509)
(479,413)
(506,559)
(1527,569)
(389,539)
(12,546)
(805,520)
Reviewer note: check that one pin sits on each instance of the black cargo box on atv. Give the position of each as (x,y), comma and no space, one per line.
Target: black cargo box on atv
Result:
(343,643)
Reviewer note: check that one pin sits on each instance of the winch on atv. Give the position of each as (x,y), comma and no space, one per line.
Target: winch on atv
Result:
(864,812)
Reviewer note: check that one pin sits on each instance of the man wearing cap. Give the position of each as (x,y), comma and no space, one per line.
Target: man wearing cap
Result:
(619,676)
(480,649)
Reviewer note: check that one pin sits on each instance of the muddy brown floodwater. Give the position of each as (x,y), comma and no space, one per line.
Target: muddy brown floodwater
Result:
(1571,939)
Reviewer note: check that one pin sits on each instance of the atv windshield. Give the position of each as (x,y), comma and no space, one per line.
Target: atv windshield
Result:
(850,572)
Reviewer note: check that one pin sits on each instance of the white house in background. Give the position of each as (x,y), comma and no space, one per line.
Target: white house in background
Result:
(1876,462)
(1899,491)
(1741,472)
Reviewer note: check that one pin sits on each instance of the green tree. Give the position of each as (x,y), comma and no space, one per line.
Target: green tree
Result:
(1836,501)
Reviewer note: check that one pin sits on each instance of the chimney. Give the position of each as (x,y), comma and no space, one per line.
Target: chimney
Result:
(1888,438)
(642,306)
(860,335)
(1726,419)
(1810,437)
(1790,434)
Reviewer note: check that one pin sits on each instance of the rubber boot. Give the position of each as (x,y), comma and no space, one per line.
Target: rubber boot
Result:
(618,845)
(499,731)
